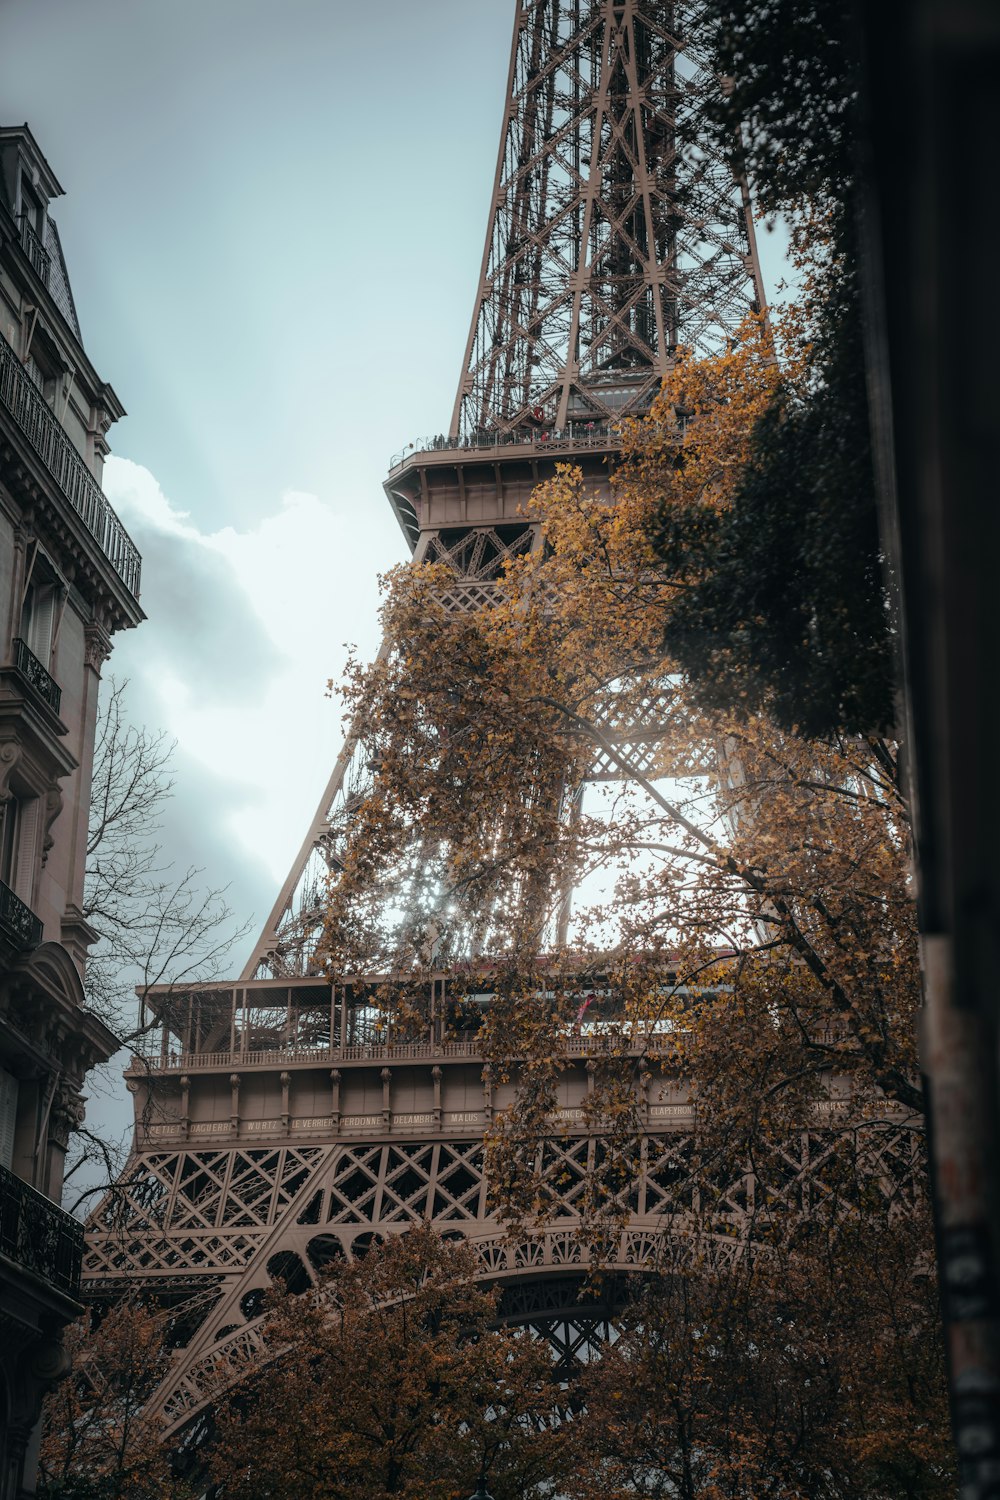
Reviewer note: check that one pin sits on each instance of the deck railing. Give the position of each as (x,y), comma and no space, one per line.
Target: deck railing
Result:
(45,433)
(39,1236)
(597,1044)
(574,436)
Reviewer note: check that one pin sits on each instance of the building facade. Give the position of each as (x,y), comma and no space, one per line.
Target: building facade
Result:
(69,578)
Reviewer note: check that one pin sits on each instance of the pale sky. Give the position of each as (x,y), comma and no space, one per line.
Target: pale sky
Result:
(273,224)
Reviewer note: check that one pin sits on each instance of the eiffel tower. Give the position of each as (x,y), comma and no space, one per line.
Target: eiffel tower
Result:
(276,1128)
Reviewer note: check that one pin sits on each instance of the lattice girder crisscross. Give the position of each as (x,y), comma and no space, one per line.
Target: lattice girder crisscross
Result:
(614,235)
(310,1204)
(214,1208)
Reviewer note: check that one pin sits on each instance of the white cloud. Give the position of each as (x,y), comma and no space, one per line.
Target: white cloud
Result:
(245,628)
(136,495)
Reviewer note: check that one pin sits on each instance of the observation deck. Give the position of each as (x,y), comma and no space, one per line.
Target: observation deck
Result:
(487,478)
(272,1060)
(283,1124)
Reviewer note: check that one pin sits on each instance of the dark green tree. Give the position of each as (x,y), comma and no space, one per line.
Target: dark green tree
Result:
(790,611)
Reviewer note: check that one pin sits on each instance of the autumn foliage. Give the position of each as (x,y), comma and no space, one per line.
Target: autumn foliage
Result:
(99,1442)
(743,906)
(809,1374)
(391,1382)
(732,910)
(725,834)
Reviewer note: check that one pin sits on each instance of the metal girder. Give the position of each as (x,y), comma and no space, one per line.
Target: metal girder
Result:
(233,1215)
(614,235)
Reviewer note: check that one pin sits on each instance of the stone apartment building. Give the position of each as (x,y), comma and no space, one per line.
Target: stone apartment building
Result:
(69,578)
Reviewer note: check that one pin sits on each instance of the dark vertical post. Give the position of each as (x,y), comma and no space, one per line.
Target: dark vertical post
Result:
(932,227)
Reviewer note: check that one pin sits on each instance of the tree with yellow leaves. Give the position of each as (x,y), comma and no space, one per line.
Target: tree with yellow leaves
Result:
(800,1375)
(98,1441)
(727,834)
(392,1382)
(743,905)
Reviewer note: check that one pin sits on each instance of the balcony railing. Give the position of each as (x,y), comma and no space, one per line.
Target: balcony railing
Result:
(17,920)
(45,434)
(35,251)
(597,1044)
(574,436)
(37,1235)
(32,671)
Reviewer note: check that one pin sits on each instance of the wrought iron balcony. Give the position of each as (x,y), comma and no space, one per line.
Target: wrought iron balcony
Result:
(32,671)
(81,490)
(17,920)
(39,1236)
(35,250)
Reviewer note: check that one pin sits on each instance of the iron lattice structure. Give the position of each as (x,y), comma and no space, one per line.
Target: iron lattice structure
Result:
(280,1127)
(275,1126)
(615,235)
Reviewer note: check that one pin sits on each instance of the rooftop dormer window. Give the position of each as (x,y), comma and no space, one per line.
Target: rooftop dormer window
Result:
(31,208)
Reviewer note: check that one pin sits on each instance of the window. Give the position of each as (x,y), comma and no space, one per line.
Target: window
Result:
(32,217)
(38,619)
(19,851)
(41,609)
(31,209)
(9,821)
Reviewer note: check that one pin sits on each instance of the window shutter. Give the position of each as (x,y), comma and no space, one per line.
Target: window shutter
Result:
(27,840)
(43,613)
(8,1117)
(9,814)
